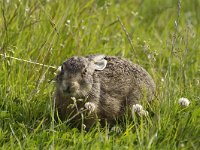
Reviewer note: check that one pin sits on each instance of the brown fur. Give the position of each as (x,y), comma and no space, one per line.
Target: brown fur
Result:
(111,90)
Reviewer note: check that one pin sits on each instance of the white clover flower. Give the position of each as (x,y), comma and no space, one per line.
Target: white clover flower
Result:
(184,102)
(144,113)
(137,108)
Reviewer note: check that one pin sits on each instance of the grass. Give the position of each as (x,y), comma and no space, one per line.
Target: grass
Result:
(165,40)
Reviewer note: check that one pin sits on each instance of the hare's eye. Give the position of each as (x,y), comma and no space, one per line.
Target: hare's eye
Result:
(61,68)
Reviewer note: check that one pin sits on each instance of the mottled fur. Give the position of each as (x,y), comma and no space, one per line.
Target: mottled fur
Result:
(110,90)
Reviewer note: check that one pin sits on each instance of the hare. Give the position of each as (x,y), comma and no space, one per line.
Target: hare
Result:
(104,85)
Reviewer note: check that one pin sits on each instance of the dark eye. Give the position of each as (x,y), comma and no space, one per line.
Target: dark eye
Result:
(62,70)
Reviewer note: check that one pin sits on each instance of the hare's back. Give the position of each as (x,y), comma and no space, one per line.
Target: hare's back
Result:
(120,66)
(123,75)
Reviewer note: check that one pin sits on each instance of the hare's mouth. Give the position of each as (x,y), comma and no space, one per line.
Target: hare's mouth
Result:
(75,90)
(70,88)
(72,93)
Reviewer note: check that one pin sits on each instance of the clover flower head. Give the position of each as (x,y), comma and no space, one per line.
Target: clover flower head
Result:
(137,108)
(144,113)
(183,102)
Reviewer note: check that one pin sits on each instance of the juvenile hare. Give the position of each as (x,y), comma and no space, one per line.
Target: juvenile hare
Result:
(107,84)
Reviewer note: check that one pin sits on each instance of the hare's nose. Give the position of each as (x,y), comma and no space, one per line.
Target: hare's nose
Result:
(70,87)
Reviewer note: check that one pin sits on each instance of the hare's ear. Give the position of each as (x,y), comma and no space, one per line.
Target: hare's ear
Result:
(98,62)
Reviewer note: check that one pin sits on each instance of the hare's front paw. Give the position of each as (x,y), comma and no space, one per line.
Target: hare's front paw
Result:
(90,106)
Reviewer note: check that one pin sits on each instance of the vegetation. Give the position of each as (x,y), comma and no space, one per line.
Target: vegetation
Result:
(162,36)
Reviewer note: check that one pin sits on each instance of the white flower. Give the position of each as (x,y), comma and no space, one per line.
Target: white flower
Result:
(144,113)
(137,108)
(184,102)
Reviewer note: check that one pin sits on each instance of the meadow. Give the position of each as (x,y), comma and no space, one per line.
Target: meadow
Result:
(162,36)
